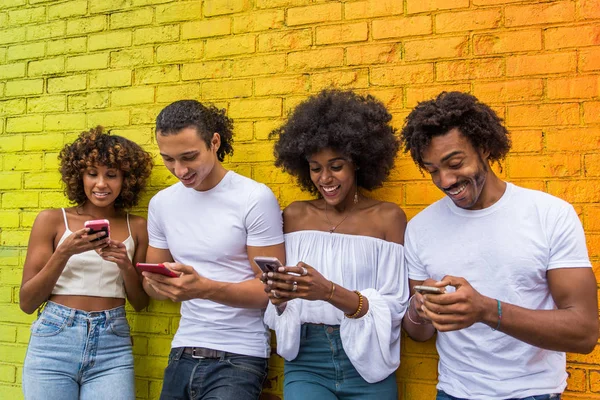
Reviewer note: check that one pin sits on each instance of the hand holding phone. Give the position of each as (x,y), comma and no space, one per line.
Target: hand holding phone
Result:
(428,289)
(98,225)
(267,264)
(157,269)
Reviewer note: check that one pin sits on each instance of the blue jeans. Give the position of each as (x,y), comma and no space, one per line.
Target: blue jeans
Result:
(443,396)
(230,377)
(74,354)
(323,371)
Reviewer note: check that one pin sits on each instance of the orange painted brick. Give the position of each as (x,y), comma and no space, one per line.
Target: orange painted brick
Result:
(281,85)
(392,98)
(507,42)
(428,49)
(372,8)
(285,40)
(541,166)
(168,94)
(240,44)
(424,368)
(589,59)
(355,32)
(349,79)
(255,109)
(314,13)
(575,87)
(576,191)
(417,6)
(469,69)
(402,75)
(313,59)
(494,2)
(416,94)
(544,13)
(503,91)
(543,114)
(206,28)
(592,164)
(526,141)
(541,63)
(271,64)
(389,192)
(259,21)
(572,36)
(592,218)
(401,27)
(595,381)
(591,112)
(420,390)
(373,54)
(226,89)
(589,8)
(206,70)
(405,169)
(460,21)
(582,139)
(423,193)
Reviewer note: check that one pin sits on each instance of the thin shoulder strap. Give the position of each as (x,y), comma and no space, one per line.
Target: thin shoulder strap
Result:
(65,218)
(128,226)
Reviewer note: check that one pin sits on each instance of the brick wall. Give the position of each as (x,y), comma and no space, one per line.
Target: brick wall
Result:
(66,66)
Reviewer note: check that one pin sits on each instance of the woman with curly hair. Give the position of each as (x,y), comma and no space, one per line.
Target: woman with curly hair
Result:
(80,347)
(337,312)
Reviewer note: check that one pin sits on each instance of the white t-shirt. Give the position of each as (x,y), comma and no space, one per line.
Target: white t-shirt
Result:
(504,251)
(209,230)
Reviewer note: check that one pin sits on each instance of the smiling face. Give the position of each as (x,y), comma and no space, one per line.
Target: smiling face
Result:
(458,169)
(333,175)
(102,185)
(187,156)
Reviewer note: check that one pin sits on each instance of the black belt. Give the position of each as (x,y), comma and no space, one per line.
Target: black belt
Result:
(202,352)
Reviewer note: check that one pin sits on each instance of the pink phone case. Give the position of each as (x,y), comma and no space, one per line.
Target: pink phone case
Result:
(98,225)
(267,264)
(157,269)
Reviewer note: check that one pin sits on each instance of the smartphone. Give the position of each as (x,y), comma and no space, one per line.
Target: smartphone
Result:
(98,225)
(268,264)
(428,289)
(157,269)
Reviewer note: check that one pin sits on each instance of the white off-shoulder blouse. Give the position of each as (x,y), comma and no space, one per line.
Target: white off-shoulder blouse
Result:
(373,266)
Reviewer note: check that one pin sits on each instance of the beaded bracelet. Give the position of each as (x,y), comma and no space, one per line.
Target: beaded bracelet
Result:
(360,305)
(499,315)
(332,290)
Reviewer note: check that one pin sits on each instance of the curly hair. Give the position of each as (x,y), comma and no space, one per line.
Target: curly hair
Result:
(95,147)
(475,120)
(206,119)
(356,126)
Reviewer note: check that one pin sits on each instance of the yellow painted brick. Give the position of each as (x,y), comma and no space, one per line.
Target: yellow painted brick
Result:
(26,51)
(82,26)
(152,366)
(45,142)
(53,199)
(254,109)
(346,79)
(572,36)
(46,31)
(582,139)
(253,152)
(503,91)
(13,35)
(526,140)
(159,34)
(314,13)
(150,324)
(128,19)
(427,49)
(8,219)
(64,122)
(281,85)
(140,135)
(270,64)
(49,66)
(469,69)
(19,199)
(89,100)
(241,44)
(67,83)
(87,62)
(109,40)
(68,9)
(51,161)
(541,166)
(278,3)
(162,178)
(110,78)
(262,129)
(373,54)
(244,132)
(420,391)
(543,114)
(220,7)
(11,143)
(29,123)
(145,115)
(460,21)
(344,33)
(10,256)
(591,112)
(589,59)
(42,180)
(258,21)
(179,52)
(271,175)
(423,193)
(589,8)
(10,180)
(285,40)
(372,8)
(574,87)
(3,52)
(135,95)
(14,70)
(402,75)
(206,28)
(106,5)
(401,27)
(417,6)
(3,19)
(157,346)
(164,73)
(507,42)
(132,57)
(8,333)
(592,168)
(10,392)
(22,162)
(544,13)
(415,94)
(27,15)
(67,46)
(227,89)
(575,191)
(46,104)
(180,11)
(314,59)
(108,118)
(167,94)
(541,63)
(7,373)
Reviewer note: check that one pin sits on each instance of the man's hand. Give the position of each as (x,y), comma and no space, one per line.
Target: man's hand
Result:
(189,285)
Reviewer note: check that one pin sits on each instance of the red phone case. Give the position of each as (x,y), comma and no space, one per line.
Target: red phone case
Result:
(157,269)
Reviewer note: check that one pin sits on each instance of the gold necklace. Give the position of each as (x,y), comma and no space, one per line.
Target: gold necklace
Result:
(334,227)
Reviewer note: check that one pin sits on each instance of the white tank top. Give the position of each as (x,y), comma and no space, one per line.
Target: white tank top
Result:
(88,274)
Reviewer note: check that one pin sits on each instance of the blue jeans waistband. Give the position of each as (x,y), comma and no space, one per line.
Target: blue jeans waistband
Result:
(79,315)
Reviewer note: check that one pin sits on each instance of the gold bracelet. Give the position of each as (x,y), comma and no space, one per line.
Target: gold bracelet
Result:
(360,305)
(332,290)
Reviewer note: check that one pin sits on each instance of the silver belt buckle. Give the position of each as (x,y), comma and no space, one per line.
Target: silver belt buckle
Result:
(194,355)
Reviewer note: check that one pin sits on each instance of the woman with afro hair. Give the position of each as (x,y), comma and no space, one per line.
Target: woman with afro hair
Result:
(337,309)
(78,280)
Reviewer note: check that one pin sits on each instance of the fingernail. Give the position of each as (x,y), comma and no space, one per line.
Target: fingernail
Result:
(270,274)
(281,269)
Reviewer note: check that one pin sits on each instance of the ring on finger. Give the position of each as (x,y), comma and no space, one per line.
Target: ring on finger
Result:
(294,286)
(304,271)
(276,295)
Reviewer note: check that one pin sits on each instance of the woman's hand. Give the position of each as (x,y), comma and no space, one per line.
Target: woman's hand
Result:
(80,242)
(116,252)
(299,282)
